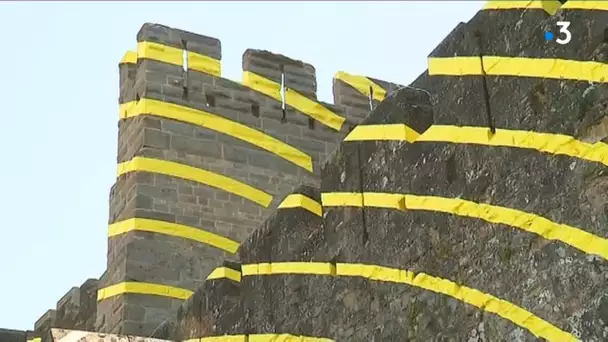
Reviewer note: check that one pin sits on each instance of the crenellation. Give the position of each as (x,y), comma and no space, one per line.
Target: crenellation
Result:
(282,70)
(180,39)
(68,308)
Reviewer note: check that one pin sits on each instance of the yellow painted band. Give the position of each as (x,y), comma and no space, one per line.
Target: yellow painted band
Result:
(601,5)
(35,339)
(225,338)
(341,199)
(175,230)
(261,338)
(130,57)
(218,124)
(550,6)
(143,288)
(520,66)
(484,301)
(197,175)
(285,338)
(399,132)
(309,268)
(559,144)
(532,223)
(225,273)
(302,201)
(294,99)
(204,64)
(362,84)
(171,55)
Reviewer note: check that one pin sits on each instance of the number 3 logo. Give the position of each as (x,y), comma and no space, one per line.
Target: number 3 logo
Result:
(563,28)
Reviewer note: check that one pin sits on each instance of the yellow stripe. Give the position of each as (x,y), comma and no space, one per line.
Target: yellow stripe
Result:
(171,55)
(130,57)
(35,339)
(302,201)
(294,99)
(362,84)
(225,273)
(521,67)
(400,132)
(285,338)
(143,288)
(175,230)
(484,301)
(341,199)
(550,6)
(225,338)
(197,175)
(262,338)
(544,142)
(205,64)
(219,124)
(317,268)
(575,237)
(601,5)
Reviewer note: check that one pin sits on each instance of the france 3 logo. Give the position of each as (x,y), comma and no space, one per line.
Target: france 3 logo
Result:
(564,35)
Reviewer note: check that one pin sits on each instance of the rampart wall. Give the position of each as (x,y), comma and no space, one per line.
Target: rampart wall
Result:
(470,205)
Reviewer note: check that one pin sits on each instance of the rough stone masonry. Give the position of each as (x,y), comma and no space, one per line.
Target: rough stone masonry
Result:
(470,205)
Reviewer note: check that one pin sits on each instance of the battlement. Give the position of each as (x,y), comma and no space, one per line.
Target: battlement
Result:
(268,80)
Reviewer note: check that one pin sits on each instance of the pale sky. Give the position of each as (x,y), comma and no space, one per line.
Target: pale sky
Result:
(59,91)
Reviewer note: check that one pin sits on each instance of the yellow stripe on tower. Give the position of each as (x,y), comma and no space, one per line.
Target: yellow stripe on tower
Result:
(225,273)
(302,201)
(484,301)
(175,230)
(362,84)
(175,56)
(532,223)
(196,175)
(130,57)
(144,289)
(558,144)
(399,132)
(520,66)
(218,124)
(294,99)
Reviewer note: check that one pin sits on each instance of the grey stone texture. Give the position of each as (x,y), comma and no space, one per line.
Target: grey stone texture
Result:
(162,259)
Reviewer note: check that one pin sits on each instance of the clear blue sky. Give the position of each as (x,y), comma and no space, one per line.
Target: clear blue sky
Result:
(59,91)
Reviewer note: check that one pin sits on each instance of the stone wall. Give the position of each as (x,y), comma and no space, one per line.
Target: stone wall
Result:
(470,205)
(203,160)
